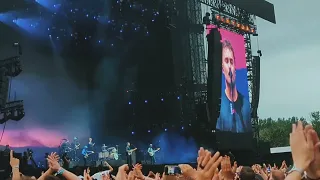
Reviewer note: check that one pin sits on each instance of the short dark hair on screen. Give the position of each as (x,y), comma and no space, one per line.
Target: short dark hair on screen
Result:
(227,44)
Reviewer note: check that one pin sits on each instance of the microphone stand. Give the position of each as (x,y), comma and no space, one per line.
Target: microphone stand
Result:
(232,97)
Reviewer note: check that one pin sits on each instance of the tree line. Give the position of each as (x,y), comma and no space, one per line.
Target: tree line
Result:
(276,131)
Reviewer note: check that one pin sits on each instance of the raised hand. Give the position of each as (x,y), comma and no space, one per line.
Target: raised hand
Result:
(207,166)
(122,174)
(14,162)
(157,176)
(53,163)
(201,156)
(54,156)
(151,174)
(131,175)
(226,168)
(137,170)
(188,171)
(234,167)
(313,171)
(302,146)
(86,175)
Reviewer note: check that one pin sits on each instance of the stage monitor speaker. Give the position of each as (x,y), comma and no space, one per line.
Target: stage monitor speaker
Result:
(214,75)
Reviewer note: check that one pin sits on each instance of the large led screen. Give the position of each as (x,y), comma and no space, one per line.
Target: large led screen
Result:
(235,106)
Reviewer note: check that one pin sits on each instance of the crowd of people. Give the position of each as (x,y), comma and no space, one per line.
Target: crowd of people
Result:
(305,147)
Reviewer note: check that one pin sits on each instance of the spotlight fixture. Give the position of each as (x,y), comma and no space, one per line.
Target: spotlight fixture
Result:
(17,45)
(259,53)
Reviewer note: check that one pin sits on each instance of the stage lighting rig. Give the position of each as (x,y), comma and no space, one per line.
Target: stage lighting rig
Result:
(12,66)
(13,110)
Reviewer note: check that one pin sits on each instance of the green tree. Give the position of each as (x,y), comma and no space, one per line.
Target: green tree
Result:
(315,120)
(276,132)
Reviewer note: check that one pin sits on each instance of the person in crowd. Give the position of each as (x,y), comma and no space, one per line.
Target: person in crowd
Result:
(304,142)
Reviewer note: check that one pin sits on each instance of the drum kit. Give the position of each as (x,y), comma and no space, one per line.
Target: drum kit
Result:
(107,153)
(110,153)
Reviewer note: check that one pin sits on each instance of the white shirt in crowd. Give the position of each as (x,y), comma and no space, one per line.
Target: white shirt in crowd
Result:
(98,175)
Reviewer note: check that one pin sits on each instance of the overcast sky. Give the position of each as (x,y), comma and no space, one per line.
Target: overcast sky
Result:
(290,66)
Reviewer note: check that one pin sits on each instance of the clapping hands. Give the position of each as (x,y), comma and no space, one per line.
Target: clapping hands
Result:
(207,166)
(302,146)
(53,163)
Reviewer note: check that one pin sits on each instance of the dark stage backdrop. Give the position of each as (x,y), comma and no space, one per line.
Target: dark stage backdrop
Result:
(65,94)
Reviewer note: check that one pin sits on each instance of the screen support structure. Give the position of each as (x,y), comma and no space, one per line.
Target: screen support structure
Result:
(190,72)
(223,8)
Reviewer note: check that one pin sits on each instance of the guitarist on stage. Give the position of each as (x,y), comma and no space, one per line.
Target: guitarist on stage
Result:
(129,152)
(86,154)
(151,153)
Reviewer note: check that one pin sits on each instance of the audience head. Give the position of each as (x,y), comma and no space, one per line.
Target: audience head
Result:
(277,175)
(247,173)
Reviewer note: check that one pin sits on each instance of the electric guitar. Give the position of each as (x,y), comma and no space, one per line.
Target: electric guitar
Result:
(77,146)
(153,152)
(88,154)
(131,151)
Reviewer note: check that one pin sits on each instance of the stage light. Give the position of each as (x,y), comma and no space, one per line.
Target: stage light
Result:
(129,103)
(145,101)
(162,99)
(132,132)
(228,21)
(213,131)
(166,129)
(149,131)
(178,97)
(182,128)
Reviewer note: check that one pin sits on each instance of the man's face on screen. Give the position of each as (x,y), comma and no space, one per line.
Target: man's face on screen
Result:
(228,66)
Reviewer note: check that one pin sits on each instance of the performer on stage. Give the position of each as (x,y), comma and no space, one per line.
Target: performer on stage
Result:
(129,152)
(151,153)
(86,154)
(66,160)
(91,144)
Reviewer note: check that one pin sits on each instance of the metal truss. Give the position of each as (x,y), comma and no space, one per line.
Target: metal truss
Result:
(196,42)
(227,9)
(251,85)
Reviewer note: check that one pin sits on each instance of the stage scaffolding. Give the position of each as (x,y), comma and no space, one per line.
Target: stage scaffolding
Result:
(191,73)
(223,8)
(195,62)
